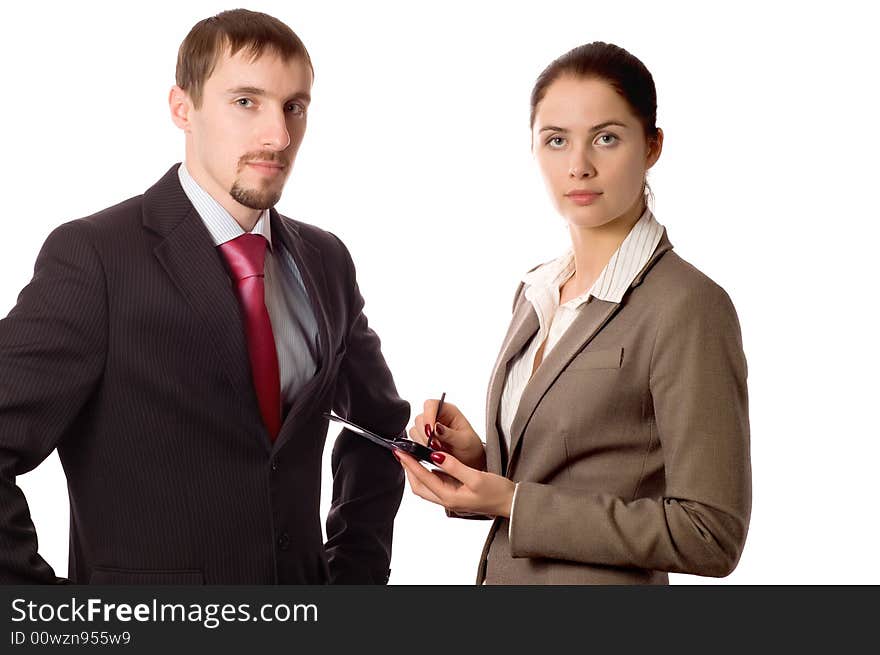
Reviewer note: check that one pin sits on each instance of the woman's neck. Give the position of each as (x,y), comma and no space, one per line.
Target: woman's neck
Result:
(593,247)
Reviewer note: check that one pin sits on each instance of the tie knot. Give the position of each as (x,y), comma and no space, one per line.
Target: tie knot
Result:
(245,255)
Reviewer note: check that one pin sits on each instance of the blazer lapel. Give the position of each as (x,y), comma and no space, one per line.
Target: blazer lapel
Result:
(523,326)
(310,264)
(591,319)
(188,255)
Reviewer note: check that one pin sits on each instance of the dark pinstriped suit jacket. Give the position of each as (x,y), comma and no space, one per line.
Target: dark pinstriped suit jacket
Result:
(126,353)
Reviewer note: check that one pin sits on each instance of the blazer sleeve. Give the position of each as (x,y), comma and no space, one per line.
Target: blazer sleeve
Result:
(698,386)
(52,352)
(367,480)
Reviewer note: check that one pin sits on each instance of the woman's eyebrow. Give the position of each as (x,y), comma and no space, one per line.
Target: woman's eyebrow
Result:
(595,128)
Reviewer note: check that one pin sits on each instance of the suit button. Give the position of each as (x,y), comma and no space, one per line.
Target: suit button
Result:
(284,541)
(274,464)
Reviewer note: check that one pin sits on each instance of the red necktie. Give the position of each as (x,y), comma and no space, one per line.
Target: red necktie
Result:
(245,256)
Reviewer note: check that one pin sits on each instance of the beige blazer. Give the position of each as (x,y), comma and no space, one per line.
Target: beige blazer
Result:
(631,441)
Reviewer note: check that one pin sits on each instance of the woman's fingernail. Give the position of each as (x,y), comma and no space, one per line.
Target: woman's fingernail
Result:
(436,445)
(394,452)
(428,431)
(437,458)
(440,429)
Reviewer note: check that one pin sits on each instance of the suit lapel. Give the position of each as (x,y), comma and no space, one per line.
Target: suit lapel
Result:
(310,264)
(592,318)
(189,257)
(523,327)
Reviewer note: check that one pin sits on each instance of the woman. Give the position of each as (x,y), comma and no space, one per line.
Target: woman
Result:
(617,444)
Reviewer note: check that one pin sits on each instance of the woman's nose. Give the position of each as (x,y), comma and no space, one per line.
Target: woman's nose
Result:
(580,165)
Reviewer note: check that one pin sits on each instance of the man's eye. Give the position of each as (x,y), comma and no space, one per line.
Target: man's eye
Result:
(244,102)
(296,109)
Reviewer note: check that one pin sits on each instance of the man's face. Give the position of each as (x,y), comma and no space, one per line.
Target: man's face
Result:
(243,139)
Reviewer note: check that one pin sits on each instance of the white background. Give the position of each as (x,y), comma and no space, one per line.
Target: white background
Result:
(417,156)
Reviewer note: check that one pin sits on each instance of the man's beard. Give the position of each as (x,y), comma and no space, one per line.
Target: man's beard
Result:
(253,198)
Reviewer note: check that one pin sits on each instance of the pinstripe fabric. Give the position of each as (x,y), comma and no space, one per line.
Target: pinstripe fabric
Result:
(125,352)
(293,322)
(542,290)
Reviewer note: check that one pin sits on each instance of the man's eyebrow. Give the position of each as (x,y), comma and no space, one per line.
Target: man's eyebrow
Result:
(595,128)
(256,91)
(252,90)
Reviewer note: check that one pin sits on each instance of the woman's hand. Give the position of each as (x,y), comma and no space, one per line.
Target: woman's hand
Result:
(458,487)
(450,432)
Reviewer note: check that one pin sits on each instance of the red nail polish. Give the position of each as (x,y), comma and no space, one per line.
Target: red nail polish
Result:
(440,429)
(428,432)
(437,458)
(436,445)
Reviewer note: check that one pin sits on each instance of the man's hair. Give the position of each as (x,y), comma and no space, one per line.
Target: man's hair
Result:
(229,32)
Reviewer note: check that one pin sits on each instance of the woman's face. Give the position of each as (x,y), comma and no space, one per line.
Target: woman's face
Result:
(592,152)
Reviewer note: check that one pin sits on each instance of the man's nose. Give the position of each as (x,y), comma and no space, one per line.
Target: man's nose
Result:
(274,133)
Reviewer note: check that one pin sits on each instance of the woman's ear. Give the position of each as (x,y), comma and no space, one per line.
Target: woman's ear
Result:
(655,147)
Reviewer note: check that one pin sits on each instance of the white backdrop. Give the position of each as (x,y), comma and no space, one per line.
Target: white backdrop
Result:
(417,156)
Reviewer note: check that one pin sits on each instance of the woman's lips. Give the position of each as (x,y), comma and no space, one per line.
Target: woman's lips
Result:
(582,198)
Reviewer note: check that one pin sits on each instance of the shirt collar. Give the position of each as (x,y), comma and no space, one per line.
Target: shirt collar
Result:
(618,274)
(219,222)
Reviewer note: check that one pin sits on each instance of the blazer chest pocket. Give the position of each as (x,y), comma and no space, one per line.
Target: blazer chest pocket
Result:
(594,359)
(111,576)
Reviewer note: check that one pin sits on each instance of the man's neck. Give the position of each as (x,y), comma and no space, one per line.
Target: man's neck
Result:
(246,217)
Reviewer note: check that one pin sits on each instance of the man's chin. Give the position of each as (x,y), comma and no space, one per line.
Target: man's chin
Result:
(253,198)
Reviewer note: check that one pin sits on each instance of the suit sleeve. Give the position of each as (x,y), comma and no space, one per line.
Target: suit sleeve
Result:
(367,479)
(52,351)
(698,387)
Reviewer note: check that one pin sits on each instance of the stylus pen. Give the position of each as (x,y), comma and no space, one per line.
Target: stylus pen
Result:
(437,415)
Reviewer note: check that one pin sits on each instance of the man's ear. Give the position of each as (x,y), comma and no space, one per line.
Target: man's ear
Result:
(180,105)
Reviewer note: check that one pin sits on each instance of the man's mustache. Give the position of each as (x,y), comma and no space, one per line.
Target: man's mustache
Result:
(263,157)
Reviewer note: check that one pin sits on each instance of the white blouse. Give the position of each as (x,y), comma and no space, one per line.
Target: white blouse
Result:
(542,290)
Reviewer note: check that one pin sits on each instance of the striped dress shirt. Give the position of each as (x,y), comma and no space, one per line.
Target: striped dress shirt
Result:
(542,290)
(290,312)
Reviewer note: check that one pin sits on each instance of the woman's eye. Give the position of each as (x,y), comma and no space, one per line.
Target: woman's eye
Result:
(607,139)
(556,141)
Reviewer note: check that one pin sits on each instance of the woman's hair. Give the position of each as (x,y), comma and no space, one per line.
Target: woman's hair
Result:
(611,63)
(623,71)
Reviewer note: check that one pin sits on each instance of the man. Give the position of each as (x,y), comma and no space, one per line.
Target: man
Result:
(180,348)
